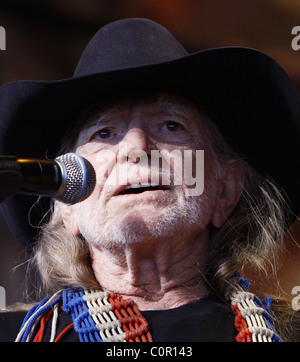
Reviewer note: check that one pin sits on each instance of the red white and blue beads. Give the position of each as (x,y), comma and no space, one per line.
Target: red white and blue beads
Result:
(106,317)
(252,320)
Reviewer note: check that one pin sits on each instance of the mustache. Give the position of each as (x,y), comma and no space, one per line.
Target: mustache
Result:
(124,175)
(163,169)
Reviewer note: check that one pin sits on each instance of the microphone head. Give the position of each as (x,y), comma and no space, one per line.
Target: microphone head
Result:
(78,178)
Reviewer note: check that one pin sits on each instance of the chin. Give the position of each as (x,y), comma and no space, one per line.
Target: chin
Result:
(133,229)
(142,223)
(142,227)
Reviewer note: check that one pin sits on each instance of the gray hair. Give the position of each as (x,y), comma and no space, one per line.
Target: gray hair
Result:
(252,237)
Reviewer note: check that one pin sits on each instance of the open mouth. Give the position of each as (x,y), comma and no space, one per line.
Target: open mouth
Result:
(138,189)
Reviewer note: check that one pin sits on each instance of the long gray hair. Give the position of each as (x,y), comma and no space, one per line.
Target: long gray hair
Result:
(251,238)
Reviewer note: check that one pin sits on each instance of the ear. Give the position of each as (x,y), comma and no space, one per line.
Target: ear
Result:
(69,218)
(229,192)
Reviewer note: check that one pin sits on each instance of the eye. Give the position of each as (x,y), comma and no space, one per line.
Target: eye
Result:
(103,133)
(173,126)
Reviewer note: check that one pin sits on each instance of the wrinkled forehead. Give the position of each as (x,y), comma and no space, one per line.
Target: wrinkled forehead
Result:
(148,101)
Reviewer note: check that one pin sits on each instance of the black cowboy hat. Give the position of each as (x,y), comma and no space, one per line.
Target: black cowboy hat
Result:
(245,92)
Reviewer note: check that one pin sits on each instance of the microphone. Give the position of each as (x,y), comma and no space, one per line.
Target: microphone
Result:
(69,178)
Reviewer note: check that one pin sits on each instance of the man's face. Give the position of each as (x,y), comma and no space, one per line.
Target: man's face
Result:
(145,153)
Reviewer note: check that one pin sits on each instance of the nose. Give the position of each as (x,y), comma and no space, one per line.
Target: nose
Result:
(135,145)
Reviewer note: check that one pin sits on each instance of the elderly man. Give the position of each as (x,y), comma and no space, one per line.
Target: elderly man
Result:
(180,209)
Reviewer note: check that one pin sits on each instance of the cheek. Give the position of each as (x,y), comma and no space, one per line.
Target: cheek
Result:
(202,184)
(195,170)
(103,161)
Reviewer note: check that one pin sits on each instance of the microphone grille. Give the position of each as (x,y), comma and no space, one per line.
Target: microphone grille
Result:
(79,178)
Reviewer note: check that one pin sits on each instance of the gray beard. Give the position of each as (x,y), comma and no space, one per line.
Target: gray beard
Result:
(190,215)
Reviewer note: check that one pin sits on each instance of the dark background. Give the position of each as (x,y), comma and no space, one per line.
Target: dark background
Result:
(44,40)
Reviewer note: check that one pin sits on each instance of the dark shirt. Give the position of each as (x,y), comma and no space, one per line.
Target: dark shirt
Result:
(206,320)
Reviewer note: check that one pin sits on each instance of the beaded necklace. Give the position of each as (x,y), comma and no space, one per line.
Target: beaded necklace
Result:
(107,317)
(252,320)
(100,316)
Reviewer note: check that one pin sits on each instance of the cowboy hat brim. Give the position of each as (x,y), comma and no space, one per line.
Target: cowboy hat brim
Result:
(246,93)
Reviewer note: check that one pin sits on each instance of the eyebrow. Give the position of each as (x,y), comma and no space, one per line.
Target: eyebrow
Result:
(100,114)
(173,106)
(100,117)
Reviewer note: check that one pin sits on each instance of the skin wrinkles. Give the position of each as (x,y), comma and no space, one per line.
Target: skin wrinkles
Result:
(149,246)
(169,111)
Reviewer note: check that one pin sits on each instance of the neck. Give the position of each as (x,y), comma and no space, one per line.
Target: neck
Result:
(155,275)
